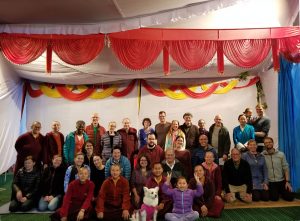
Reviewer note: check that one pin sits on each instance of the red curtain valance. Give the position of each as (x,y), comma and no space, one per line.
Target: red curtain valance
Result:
(136,54)
(138,49)
(193,54)
(23,49)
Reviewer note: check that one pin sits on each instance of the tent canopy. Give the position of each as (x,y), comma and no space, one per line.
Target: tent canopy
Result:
(111,16)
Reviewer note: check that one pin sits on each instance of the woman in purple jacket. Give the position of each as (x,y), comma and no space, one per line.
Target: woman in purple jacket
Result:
(182,199)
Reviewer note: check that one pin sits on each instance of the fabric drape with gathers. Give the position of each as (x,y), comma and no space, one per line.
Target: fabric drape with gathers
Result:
(11,95)
(21,50)
(289,117)
(138,49)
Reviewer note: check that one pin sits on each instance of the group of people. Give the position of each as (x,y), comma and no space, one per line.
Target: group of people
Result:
(99,173)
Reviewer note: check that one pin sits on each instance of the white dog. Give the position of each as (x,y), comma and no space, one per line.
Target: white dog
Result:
(148,210)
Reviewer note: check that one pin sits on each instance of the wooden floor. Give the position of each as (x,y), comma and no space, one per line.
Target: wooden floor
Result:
(281,203)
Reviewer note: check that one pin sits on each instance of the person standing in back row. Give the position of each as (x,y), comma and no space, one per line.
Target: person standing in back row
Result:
(95,131)
(191,131)
(219,138)
(162,128)
(261,126)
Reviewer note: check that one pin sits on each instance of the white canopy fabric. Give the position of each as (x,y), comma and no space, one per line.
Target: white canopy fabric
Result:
(105,16)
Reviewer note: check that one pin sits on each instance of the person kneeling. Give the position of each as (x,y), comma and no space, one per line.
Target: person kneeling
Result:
(237,178)
(113,202)
(77,201)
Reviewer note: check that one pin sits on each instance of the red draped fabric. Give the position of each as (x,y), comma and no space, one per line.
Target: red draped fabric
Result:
(275,54)
(204,94)
(151,90)
(126,91)
(220,57)
(166,60)
(194,54)
(74,96)
(78,51)
(32,92)
(290,48)
(22,50)
(250,83)
(136,54)
(138,49)
(247,53)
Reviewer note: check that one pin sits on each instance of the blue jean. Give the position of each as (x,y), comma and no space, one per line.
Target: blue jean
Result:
(52,205)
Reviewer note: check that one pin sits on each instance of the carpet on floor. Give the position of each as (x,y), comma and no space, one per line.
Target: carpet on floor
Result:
(4,209)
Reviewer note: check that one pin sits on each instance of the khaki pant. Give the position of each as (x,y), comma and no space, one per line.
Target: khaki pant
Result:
(242,190)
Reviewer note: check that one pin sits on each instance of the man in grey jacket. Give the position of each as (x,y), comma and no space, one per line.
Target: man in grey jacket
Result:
(278,171)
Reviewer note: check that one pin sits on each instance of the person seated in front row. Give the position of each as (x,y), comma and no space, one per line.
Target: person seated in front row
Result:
(52,185)
(138,180)
(117,158)
(113,202)
(213,172)
(72,171)
(25,187)
(259,172)
(237,178)
(207,204)
(171,164)
(182,199)
(77,203)
(157,180)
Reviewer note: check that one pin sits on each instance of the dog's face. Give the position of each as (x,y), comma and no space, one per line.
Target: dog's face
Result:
(151,193)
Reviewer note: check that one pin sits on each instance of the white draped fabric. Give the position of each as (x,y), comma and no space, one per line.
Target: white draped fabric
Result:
(10,109)
(159,18)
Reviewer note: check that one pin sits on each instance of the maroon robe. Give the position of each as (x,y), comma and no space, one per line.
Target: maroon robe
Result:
(162,198)
(129,143)
(27,145)
(113,198)
(214,206)
(184,156)
(51,147)
(155,155)
(78,196)
(215,175)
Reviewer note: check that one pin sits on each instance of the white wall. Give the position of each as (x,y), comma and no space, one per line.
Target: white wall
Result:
(269,81)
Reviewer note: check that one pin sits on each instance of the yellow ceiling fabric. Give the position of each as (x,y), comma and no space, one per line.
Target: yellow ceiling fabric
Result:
(50,91)
(172,94)
(105,93)
(223,90)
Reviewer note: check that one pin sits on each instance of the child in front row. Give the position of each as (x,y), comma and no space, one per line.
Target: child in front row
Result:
(182,199)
